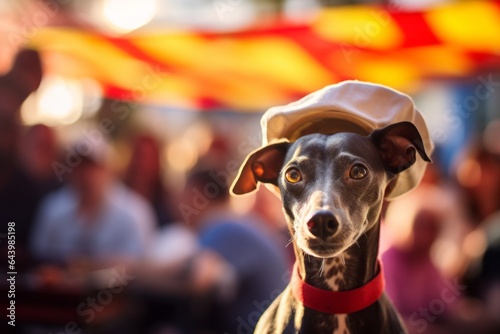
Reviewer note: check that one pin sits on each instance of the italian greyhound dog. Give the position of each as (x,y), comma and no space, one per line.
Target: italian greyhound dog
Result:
(332,188)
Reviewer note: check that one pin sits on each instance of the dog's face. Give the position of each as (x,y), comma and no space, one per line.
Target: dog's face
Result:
(332,186)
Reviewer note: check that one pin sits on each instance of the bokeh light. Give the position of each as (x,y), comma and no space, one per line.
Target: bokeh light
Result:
(62,101)
(127,15)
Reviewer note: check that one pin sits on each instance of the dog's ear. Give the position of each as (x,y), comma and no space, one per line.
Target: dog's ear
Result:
(397,145)
(261,165)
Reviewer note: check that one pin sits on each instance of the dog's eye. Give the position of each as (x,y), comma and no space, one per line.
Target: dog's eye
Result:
(293,175)
(358,172)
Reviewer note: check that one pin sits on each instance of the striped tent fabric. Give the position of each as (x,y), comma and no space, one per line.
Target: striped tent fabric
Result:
(258,67)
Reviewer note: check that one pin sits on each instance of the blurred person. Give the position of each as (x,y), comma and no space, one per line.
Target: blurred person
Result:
(144,175)
(94,218)
(32,179)
(411,265)
(420,265)
(19,195)
(268,208)
(483,276)
(202,271)
(39,149)
(412,281)
(438,195)
(19,82)
(479,176)
(255,267)
(487,282)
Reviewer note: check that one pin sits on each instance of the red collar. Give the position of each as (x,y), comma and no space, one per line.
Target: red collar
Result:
(337,302)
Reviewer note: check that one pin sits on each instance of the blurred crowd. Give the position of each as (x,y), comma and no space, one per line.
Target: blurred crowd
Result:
(190,259)
(130,248)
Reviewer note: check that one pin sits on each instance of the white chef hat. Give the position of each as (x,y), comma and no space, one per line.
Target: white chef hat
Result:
(349,106)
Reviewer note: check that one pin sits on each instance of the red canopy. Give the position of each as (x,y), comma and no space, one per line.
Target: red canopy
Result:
(264,66)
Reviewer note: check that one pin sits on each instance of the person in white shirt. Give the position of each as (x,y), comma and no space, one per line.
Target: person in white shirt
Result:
(94,217)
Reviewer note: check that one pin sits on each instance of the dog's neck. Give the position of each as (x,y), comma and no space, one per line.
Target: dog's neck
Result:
(356,266)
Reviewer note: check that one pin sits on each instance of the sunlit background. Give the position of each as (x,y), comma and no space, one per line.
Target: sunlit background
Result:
(244,56)
(198,75)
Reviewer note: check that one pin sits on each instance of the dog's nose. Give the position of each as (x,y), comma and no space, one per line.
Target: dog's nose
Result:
(323,224)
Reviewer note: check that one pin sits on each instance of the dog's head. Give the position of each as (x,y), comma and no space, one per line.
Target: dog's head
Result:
(332,186)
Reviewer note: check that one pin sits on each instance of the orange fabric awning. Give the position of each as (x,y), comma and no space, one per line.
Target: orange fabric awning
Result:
(260,67)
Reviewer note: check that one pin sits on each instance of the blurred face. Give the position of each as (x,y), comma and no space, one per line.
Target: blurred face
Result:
(146,158)
(39,148)
(193,203)
(425,230)
(490,177)
(90,179)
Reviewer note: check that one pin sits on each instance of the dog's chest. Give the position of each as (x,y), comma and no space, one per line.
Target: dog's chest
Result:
(326,323)
(334,278)
(332,274)
(342,325)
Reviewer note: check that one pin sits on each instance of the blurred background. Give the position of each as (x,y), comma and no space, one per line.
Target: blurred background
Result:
(123,122)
